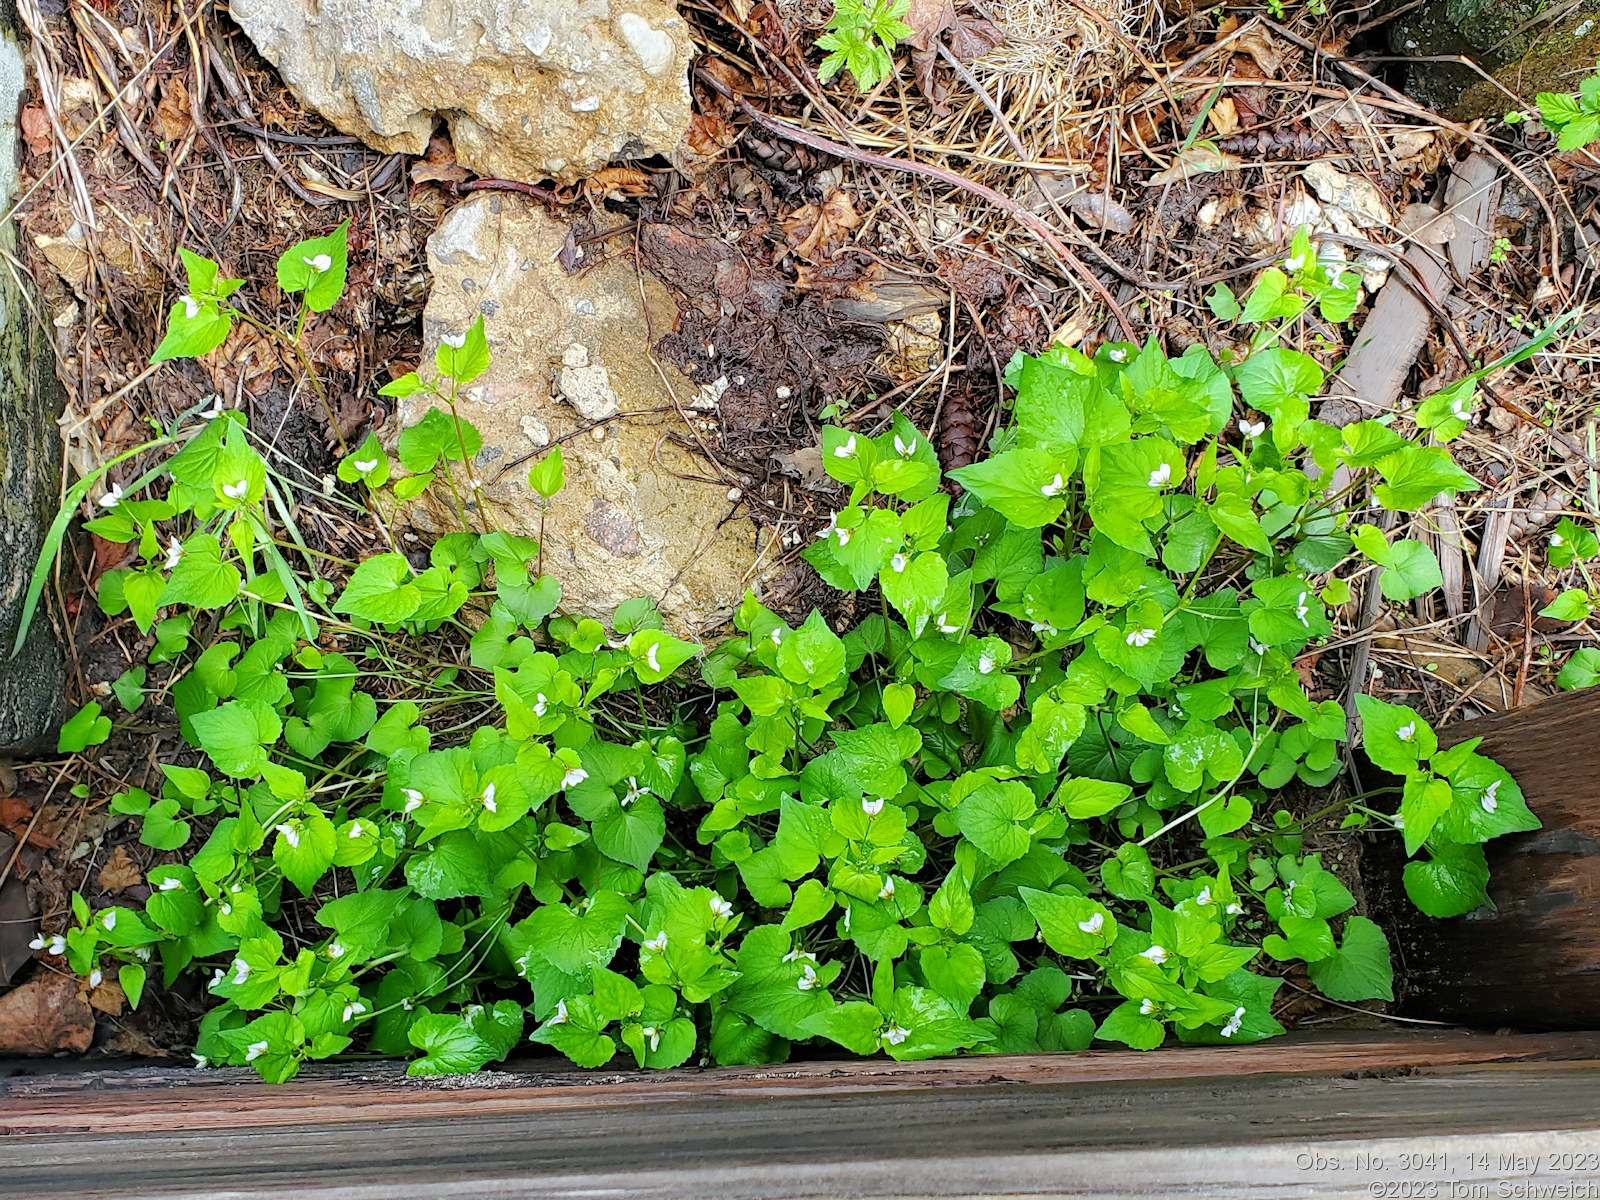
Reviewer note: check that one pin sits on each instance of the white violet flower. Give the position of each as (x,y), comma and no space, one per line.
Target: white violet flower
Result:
(1147,1007)
(1252,428)
(1140,637)
(1234,909)
(321,263)
(1117,354)
(215,411)
(1161,475)
(366,464)
(1488,798)
(413,799)
(354,1009)
(986,663)
(110,920)
(848,450)
(886,892)
(573,777)
(170,885)
(720,908)
(897,564)
(652,656)
(872,807)
(657,943)
(236,491)
(945,626)
(808,978)
(1557,540)
(113,496)
(254,1051)
(1094,924)
(1156,954)
(1203,896)
(1232,1027)
(191,306)
(174,554)
(904,449)
(488,798)
(1054,487)
(1407,731)
(634,791)
(894,1035)
(1295,263)
(454,341)
(290,835)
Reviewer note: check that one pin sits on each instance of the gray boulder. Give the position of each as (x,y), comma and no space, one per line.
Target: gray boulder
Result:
(571,364)
(532,89)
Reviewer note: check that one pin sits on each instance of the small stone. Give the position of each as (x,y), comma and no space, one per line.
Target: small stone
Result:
(735,494)
(584,308)
(575,355)
(536,430)
(599,432)
(784,393)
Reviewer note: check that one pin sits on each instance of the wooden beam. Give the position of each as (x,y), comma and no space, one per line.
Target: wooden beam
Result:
(1534,961)
(1272,1119)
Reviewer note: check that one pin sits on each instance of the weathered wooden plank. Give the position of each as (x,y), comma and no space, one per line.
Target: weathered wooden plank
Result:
(148,1100)
(1270,1134)
(1534,962)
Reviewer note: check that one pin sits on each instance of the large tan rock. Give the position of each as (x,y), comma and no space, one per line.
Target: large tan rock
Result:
(532,89)
(567,351)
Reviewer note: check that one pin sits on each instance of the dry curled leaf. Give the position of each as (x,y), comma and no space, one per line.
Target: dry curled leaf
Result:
(1259,45)
(119,873)
(1224,117)
(709,135)
(613,183)
(108,997)
(36,128)
(966,37)
(172,113)
(815,231)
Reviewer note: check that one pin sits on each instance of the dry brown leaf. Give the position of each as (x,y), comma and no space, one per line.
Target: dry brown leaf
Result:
(36,128)
(1224,117)
(815,231)
(439,164)
(108,997)
(45,1016)
(709,135)
(172,113)
(120,872)
(15,811)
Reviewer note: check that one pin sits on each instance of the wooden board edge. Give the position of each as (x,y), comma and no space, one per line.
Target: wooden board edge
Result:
(153,1100)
